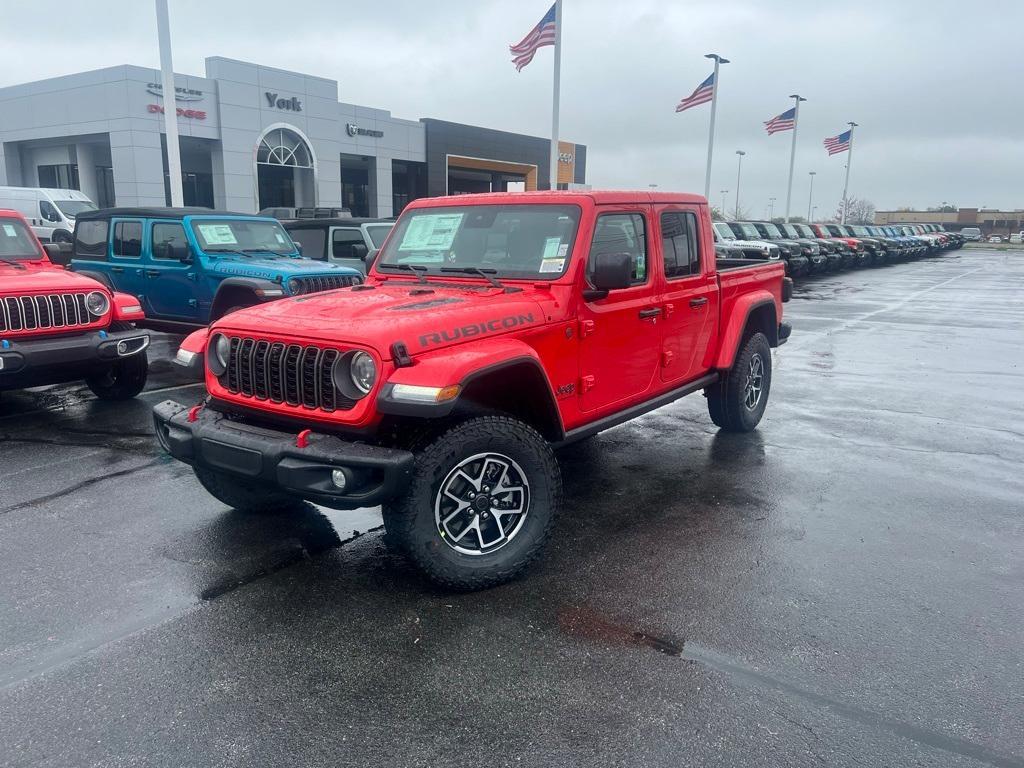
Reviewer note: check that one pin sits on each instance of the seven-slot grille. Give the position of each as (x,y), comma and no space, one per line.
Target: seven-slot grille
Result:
(295,374)
(325,283)
(43,311)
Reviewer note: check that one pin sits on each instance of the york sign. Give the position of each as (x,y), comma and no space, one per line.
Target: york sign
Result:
(291,104)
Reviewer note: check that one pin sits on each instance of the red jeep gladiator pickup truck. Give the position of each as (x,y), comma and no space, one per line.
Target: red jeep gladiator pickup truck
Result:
(56,326)
(492,329)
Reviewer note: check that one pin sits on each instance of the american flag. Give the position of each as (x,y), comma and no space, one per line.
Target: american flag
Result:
(837,144)
(784,122)
(541,35)
(705,91)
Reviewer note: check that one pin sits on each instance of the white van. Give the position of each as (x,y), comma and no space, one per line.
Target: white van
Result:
(50,212)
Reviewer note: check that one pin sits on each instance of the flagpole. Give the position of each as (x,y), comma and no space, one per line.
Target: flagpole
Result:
(792,151)
(711,130)
(846,184)
(170,104)
(553,172)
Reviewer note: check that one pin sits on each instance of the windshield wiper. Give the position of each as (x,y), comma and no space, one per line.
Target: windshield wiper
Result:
(13,263)
(484,273)
(416,269)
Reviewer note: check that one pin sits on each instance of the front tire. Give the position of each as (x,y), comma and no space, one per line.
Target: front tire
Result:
(481,503)
(243,495)
(738,400)
(123,380)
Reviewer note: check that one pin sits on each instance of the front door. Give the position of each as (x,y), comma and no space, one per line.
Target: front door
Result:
(690,295)
(171,286)
(620,335)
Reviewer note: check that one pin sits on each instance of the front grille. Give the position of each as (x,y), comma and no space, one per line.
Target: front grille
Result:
(44,311)
(325,283)
(295,374)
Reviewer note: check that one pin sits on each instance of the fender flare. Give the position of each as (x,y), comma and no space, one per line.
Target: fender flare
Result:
(732,333)
(99,277)
(251,284)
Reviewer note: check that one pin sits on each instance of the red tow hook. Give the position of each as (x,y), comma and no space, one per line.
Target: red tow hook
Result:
(193,413)
(302,439)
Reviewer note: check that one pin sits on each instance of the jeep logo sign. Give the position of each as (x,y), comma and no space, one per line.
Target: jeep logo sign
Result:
(292,104)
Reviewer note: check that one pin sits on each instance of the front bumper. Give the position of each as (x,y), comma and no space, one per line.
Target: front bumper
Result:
(374,474)
(33,362)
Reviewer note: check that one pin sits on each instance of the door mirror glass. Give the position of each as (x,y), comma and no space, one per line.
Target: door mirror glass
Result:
(359,251)
(612,271)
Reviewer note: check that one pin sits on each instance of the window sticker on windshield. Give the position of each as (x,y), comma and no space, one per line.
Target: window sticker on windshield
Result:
(551,248)
(552,265)
(9,230)
(431,232)
(280,237)
(217,234)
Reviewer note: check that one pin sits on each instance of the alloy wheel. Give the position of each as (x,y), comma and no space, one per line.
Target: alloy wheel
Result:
(754,385)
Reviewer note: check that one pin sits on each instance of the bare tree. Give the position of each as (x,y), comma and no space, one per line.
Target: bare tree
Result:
(716,213)
(857,211)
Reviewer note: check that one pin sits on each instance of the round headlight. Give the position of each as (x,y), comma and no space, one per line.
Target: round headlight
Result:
(295,286)
(97,303)
(219,350)
(363,371)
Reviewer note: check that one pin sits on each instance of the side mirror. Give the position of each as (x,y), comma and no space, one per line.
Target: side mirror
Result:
(184,254)
(298,248)
(611,272)
(370,257)
(58,253)
(360,251)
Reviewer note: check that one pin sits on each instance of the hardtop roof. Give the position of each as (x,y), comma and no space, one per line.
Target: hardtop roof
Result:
(597,197)
(161,213)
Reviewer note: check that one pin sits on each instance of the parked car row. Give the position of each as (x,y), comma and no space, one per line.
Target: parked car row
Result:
(808,249)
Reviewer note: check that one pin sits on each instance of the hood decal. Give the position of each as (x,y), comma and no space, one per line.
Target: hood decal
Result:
(476,329)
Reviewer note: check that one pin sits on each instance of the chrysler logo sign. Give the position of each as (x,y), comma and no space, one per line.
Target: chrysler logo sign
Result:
(354,130)
(181,94)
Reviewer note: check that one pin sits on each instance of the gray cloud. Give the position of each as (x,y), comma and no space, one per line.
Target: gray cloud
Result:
(934,85)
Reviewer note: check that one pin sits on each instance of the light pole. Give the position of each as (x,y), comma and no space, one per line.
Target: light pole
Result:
(812,212)
(810,195)
(711,130)
(846,184)
(724,193)
(163,34)
(771,207)
(739,167)
(792,152)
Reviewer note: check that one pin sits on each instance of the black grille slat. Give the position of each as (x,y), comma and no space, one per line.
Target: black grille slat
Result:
(43,311)
(284,373)
(325,283)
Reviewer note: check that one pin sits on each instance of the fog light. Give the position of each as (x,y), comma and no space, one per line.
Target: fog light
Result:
(339,479)
(122,347)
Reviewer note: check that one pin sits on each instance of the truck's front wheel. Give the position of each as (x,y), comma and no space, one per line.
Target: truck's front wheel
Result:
(481,503)
(737,401)
(121,381)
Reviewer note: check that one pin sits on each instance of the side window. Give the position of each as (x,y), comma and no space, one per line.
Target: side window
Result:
(679,244)
(622,233)
(312,241)
(91,240)
(48,211)
(342,241)
(128,239)
(172,235)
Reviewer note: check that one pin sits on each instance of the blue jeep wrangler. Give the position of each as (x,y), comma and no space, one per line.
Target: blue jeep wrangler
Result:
(190,266)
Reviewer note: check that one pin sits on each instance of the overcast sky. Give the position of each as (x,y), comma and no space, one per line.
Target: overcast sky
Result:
(934,84)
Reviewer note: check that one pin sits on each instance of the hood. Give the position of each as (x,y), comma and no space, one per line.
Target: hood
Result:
(285,267)
(43,277)
(423,317)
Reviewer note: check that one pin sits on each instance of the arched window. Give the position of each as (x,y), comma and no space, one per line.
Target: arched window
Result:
(283,147)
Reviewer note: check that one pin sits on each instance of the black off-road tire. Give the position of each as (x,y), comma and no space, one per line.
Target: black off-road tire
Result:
(410,520)
(242,494)
(123,380)
(727,398)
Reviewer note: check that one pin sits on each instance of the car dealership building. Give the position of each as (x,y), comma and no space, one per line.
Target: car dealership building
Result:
(254,137)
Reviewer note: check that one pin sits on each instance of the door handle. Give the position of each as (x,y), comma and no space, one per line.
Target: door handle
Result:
(696,303)
(647,314)
(152,273)
(118,270)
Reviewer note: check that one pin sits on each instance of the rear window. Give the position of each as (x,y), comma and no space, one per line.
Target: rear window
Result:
(91,240)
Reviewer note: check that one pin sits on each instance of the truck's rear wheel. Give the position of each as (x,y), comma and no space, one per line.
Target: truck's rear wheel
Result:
(481,503)
(737,401)
(121,381)
(243,495)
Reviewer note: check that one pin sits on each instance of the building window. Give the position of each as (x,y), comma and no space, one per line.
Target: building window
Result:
(105,186)
(196,189)
(283,147)
(58,176)
(408,182)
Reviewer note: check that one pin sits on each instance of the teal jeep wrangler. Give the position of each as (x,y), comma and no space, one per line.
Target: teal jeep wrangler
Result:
(191,266)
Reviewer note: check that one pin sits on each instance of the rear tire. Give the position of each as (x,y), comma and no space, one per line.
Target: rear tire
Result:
(457,522)
(244,495)
(123,380)
(737,401)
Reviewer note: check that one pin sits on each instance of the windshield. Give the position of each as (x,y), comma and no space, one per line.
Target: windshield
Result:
(512,241)
(723,231)
(772,230)
(747,231)
(804,231)
(72,208)
(17,242)
(788,230)
(250,235)
(379,233)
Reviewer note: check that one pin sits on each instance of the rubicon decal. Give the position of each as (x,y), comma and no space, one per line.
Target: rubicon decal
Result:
(476,329)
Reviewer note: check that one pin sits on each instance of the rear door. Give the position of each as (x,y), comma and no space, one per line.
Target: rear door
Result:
(171,285)
(690,294)
(620,335)
(126,257)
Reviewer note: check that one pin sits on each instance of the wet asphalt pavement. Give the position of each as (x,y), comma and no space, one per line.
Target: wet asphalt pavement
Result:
(844,587)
